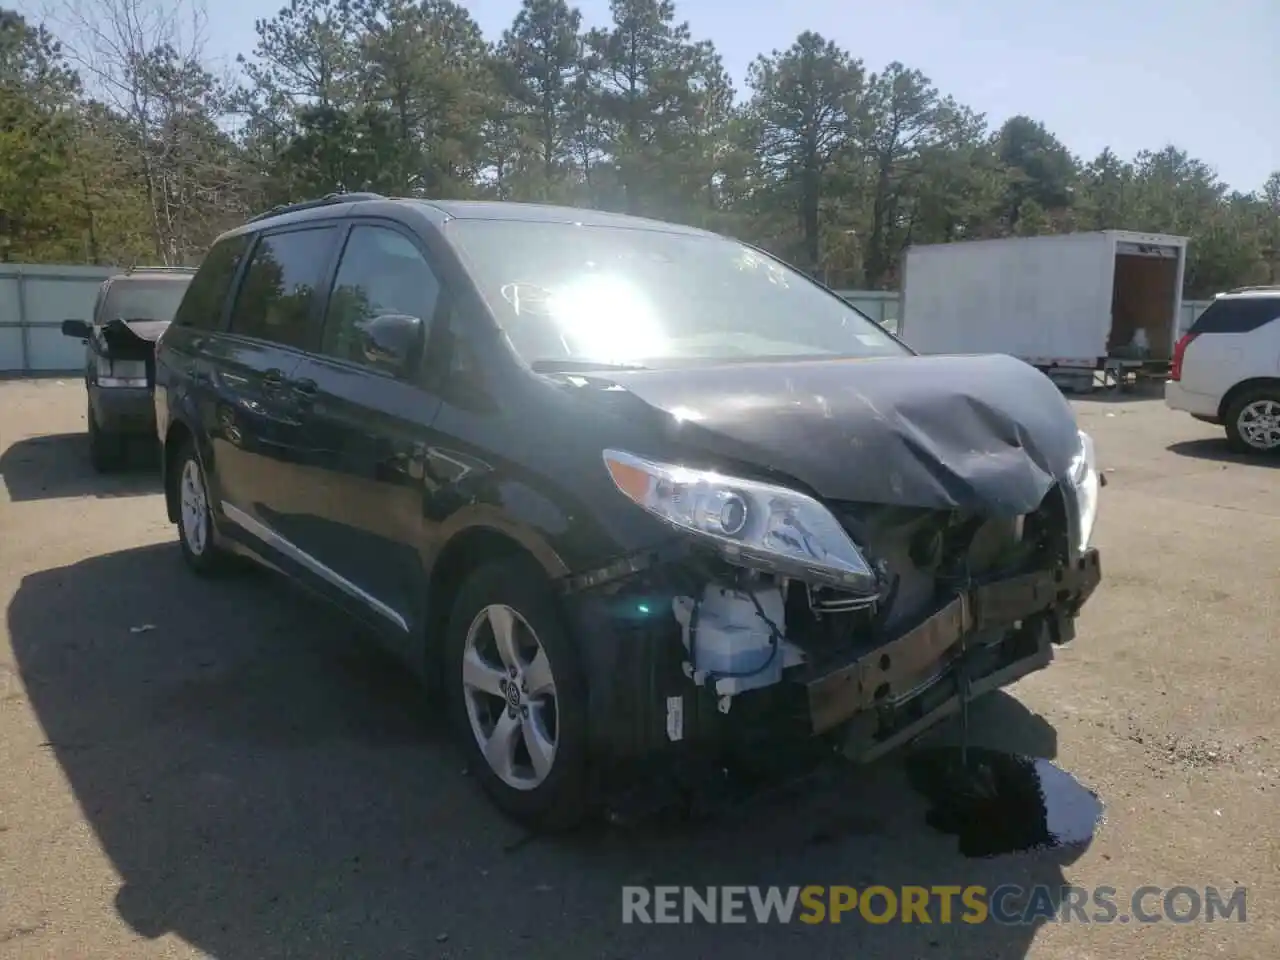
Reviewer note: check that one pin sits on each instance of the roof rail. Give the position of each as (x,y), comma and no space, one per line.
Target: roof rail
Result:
(144,269)
(309,204)
(1268,287)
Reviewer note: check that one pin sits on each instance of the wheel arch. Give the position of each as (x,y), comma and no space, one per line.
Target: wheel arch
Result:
(1243,387)
(177,435)
(466,548)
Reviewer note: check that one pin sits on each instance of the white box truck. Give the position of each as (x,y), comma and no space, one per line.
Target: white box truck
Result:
(1075,305)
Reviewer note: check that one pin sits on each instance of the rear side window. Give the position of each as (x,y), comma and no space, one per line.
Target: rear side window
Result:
(206,295)
(1237,315)
(279,287)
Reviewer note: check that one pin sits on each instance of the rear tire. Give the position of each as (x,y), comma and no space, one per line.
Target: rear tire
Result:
(515,684)
(1253,421)
(106,449)
(196,530)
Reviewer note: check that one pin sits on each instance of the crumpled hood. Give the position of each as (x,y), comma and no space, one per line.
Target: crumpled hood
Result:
(122,331)
(987,433)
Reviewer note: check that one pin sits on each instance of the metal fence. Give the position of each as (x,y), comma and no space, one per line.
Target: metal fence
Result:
(880,305)
(35,299)
(1191,310)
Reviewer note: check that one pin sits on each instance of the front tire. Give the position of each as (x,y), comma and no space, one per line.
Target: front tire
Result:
(1253,421)
(195,517)
(518,696)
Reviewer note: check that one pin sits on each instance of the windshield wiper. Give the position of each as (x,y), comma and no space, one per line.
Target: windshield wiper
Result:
(573,365)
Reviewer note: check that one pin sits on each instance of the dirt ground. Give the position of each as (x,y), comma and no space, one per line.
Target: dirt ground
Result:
(246,778)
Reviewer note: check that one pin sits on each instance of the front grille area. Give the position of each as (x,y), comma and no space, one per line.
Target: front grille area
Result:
(924,555)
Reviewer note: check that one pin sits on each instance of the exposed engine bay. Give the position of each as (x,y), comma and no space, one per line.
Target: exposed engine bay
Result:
(742,635)
(728,657)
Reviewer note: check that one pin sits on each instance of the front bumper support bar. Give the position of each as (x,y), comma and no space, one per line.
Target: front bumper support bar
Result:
(884,674)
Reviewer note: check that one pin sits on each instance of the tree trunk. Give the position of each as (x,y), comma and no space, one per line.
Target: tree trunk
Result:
(94,253)
(809,198)
(156,235)
(877,244)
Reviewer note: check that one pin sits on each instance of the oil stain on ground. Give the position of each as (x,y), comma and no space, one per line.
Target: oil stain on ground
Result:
(995,802)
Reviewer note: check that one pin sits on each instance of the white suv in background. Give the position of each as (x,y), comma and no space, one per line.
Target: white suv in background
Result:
(1226,368)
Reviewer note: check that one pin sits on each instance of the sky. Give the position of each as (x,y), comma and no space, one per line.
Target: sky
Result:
(1124,74)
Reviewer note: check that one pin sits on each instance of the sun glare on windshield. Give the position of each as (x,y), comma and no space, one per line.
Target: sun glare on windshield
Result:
(632,331)
(610,295)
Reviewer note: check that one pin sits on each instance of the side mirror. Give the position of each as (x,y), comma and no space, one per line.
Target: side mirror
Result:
(79,329)
(392,342)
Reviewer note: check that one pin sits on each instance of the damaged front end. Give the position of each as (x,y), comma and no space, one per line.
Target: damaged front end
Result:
(781,620)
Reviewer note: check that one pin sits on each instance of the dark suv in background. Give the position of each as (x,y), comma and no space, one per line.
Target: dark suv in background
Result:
(631,495)
(131,311)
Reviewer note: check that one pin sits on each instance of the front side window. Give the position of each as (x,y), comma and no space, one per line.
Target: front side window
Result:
(279,286)
(381,274)
(206,295)
(616,295)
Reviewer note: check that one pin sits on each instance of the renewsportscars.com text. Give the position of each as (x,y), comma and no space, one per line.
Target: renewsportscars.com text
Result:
(1008,904)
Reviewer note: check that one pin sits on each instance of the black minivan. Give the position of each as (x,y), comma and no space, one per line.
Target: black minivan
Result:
(631,496)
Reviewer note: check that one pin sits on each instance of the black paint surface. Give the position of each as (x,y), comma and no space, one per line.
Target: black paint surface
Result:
(984,433)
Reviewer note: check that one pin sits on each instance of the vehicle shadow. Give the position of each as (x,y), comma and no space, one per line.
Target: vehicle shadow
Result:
(12,376)
(1142,391)
(1215,448)
(56,466)
(267,784)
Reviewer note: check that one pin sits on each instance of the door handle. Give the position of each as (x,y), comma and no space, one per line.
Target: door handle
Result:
(273,379)
(306,387)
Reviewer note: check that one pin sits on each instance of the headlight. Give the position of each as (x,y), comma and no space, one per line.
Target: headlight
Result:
(754,524)
(120,373)
(1084,481)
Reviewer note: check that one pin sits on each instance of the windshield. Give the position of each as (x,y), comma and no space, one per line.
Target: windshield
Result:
(573,294)
(132,298)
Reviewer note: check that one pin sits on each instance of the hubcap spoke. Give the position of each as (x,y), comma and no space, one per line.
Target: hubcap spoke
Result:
(193,507)
(538,681)
(504,635)
(478,675)
(500,751)
(541,750)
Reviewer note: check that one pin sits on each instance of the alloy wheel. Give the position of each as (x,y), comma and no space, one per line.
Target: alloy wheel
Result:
(195,507)
(1259,424)
(510,696)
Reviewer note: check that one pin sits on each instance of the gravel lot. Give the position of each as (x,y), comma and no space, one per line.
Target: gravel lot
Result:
(248,779)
